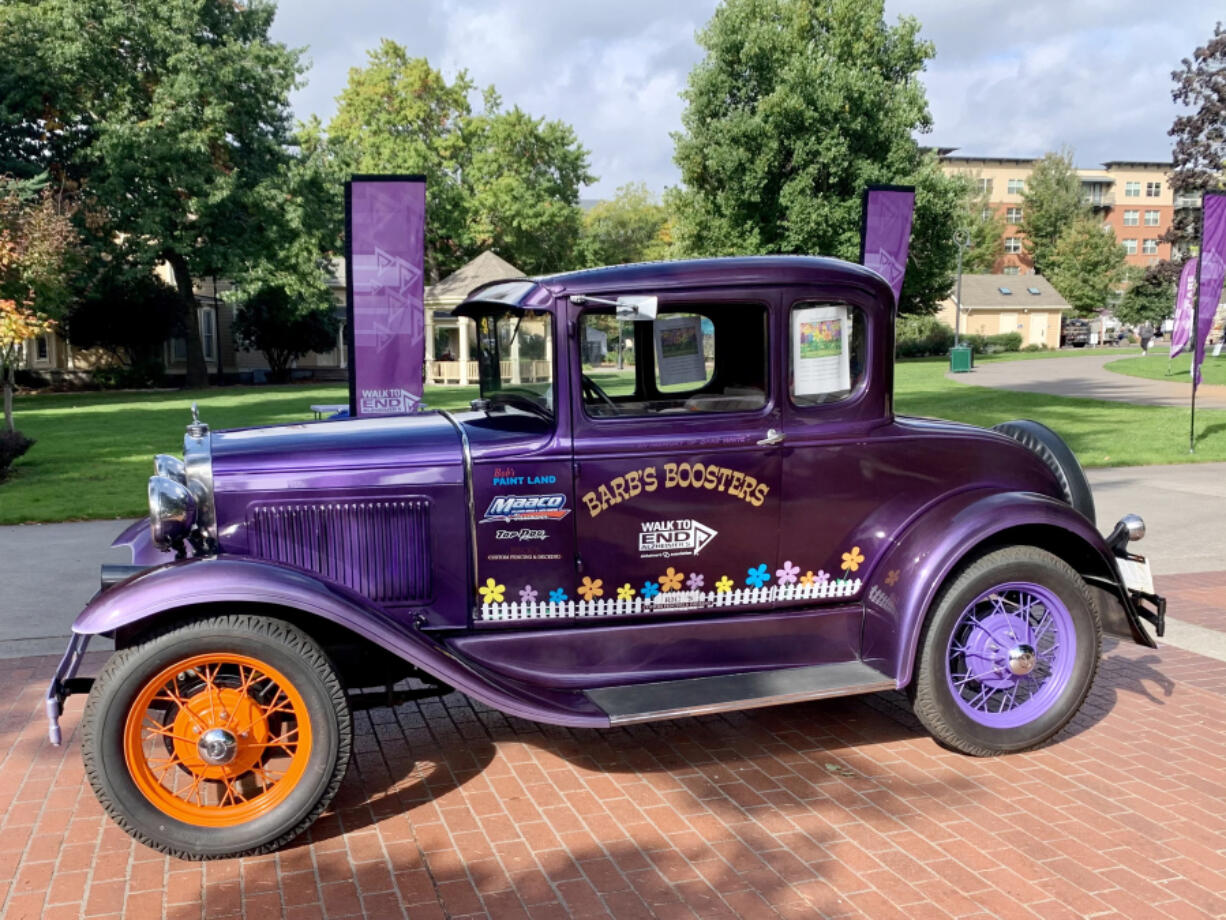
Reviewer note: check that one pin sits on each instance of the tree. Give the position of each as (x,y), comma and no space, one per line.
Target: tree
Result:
(399,115)
(522,185)
(796,108)
(1086,265)
(178,114)
(630,227)
(1199,154)
(36,242)
(1146,299)
(150,311)
(494,179)
(986,226)
(272,323)
(1051,203)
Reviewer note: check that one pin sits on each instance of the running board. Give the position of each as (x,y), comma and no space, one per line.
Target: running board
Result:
(695,696)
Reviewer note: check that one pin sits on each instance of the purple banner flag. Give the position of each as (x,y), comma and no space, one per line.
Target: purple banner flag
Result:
(886,232)
(1181,332)
(1212,273)
(385,254)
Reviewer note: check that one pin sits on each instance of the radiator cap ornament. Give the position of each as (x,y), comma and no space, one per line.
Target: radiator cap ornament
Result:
(197,429)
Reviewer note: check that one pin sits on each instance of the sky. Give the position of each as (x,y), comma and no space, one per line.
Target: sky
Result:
(1008,79)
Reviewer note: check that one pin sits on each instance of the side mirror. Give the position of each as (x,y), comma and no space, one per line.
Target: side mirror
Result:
(635,307)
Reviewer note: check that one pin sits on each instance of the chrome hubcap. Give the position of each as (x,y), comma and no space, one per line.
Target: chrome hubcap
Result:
(217,747)
(1021,659)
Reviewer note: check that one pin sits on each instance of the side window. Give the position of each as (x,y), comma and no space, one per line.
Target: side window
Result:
(827,352)
(690,358)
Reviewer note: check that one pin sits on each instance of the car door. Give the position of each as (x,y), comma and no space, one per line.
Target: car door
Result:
(677,474)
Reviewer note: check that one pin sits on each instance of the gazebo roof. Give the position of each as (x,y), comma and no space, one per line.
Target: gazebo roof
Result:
(455,287)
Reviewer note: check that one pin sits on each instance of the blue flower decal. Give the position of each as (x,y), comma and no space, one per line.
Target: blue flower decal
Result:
(557,596)
(649,589)
(757,577)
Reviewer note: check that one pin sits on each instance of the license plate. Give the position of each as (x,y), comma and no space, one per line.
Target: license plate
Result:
(1136,574)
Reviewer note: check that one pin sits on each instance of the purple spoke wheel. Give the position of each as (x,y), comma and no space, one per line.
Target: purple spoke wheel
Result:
(1011,655)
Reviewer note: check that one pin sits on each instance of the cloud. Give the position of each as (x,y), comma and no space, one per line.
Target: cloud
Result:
(1007,79)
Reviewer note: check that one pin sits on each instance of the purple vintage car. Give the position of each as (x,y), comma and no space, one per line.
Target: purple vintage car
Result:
(737,519)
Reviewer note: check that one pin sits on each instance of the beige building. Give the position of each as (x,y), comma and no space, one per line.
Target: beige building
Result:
(1134,199)
(994,304)
(449,339)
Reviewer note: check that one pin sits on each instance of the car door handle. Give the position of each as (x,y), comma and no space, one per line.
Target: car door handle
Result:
(773,436)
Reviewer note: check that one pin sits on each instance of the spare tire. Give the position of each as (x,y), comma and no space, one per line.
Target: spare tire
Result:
(1052,450)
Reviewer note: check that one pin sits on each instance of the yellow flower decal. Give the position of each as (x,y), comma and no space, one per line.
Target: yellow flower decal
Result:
(590,589)
(808,578)
(852,560)
(671,580)
(891,578)
(625,592)
(492,592)
(724,585)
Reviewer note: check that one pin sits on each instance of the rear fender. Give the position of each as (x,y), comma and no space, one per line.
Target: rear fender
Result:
(157,593)
(904,584)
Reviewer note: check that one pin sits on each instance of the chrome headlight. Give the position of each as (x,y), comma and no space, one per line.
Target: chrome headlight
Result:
(172,512)
(170,467)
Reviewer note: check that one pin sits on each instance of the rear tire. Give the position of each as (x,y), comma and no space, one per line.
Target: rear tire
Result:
(1008,653)
(227,736)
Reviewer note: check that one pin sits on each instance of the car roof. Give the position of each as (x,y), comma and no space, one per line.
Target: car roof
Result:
(731,271)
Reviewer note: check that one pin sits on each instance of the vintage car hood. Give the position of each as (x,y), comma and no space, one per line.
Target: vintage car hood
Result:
(428,438)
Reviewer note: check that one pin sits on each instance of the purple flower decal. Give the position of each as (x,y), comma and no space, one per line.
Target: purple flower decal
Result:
(787,574)
(757,576)
(527,594)
(822,576)
(694,582)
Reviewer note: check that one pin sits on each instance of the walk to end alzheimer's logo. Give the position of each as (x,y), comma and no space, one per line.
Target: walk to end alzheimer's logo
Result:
(387,400)
(684,537)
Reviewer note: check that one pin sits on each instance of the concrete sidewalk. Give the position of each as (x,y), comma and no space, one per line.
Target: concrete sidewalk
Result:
(1087,378)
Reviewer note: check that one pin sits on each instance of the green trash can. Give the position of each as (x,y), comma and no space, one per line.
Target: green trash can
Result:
(961,359)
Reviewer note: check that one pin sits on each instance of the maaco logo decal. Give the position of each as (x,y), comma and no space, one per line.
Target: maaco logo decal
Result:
(526,508)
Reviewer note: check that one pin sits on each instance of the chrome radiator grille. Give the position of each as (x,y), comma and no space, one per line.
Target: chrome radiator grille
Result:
(380,549)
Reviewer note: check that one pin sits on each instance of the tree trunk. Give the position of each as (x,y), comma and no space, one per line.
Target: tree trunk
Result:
(197,371)
(10,380)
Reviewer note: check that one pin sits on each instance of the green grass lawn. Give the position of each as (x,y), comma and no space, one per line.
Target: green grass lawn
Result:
(1057,353)
(95,450)
(1161,367)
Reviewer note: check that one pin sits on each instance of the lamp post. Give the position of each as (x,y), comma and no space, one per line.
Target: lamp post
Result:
(962,239)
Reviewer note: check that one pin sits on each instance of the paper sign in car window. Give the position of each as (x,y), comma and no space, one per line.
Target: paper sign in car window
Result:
(821,358)
(679,356)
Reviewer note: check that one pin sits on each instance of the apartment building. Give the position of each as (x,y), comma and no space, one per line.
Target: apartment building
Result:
(1133,198)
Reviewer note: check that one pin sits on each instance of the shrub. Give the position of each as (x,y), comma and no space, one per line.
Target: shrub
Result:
(141,375)
(920,336)
(1033,346)
(12,445)
(1005,341)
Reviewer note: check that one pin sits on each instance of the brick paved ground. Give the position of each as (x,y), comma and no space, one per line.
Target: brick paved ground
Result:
(842,808)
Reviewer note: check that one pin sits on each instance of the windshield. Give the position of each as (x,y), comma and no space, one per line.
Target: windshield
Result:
(515,354)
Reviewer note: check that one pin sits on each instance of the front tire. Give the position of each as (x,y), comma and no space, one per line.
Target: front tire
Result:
(1008,653)
(223,737)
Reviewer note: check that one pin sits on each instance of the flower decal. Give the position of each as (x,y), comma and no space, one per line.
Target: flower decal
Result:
(491,592)
(650,589)
(625,592)
(757,576)
(891,578)
(557,596)
(808,578)
(852,560)
(821,577)
(694,582)
(671,580)
(787,574)
(724,585)
(590,589)
(527,594)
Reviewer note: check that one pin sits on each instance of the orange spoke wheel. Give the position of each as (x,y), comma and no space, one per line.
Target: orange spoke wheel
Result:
(218,739)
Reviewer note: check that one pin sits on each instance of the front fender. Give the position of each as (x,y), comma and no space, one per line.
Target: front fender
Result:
(904,584)
(220,580)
